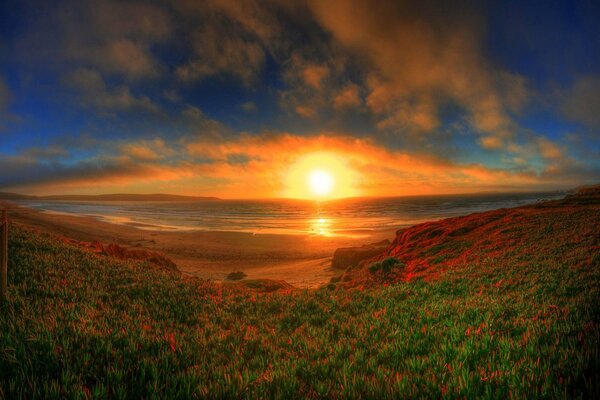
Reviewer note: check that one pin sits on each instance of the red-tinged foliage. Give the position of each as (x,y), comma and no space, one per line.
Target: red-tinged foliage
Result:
(519,321)
(429,249)
(171,341)
(123,253)
(264,286)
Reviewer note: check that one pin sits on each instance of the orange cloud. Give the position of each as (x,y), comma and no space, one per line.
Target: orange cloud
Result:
(94,91)
(314,74)
(347,97)
(276,165)
(376,169)
(146,150)
(548,149)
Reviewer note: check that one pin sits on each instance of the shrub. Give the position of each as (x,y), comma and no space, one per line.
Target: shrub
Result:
(236,276)
(386,265)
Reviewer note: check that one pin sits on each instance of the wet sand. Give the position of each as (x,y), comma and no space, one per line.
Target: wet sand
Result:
(303,261)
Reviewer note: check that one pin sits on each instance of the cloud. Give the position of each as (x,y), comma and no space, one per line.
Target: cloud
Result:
(582,101)
(228,38)
(36,175)
(218,54)
(192,112)
(24,171)
(249,106)
(5,96)
(263,166)
(147,150)
(314,75)
(347,97)
(379,170)
(304,93)
(315,89)
(51,152)
(548,149)
(418,77)
(172,96)
(113,37)
(7,117)
(192,121)
(424,56)
(93,91)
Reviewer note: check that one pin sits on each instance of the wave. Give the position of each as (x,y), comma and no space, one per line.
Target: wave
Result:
(348,217)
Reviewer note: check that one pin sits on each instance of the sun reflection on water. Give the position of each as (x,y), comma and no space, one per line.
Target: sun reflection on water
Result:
(321,226)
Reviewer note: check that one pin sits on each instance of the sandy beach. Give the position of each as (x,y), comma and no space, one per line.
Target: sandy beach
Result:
(303,261)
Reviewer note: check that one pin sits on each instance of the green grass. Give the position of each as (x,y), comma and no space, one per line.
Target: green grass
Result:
(386,265)
(81,326)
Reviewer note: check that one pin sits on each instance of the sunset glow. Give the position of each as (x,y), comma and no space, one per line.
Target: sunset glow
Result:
(321,175)
(321,227)
(145,104)
(321,182)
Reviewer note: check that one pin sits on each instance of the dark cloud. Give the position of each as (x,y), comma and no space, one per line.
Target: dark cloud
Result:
(51,152)
(93,91)
(317,86)
(424,55)
(114,37)
(249,106)
(22,171)
(5,96)
(219,54)
(581,102)
(7,118)
(227,38)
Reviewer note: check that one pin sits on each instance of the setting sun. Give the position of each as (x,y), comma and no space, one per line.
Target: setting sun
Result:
(321,182)
(321,175)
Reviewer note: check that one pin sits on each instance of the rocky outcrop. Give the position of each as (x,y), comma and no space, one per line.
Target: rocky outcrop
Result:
(584,195)
(351,256)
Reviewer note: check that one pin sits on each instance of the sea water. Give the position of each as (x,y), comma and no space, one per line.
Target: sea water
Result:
(343,217)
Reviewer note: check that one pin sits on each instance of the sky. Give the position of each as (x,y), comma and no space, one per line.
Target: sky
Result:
(245,99)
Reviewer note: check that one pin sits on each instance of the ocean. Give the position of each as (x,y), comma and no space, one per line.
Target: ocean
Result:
(356,217)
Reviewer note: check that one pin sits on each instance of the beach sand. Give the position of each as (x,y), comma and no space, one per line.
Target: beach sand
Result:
(304,261)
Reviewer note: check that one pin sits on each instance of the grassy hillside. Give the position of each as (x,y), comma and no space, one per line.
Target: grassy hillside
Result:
(518,321)
(564,230)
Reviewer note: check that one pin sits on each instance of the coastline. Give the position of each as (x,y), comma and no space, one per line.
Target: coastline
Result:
(304,261)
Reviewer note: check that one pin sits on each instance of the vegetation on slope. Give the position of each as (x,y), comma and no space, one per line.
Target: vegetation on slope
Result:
(562,229)
(521,322)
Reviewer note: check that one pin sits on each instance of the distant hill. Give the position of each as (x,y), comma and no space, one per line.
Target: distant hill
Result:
(14,196)
(107,197)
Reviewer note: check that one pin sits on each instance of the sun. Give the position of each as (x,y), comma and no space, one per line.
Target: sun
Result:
(321,182)
(321,175)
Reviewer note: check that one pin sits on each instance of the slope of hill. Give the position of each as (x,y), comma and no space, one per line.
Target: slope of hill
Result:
(513,314)
(567,230)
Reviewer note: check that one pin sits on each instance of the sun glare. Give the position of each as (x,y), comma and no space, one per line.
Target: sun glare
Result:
(320,182)
(320,175)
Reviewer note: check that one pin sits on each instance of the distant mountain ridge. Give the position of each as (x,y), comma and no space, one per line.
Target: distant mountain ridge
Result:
(107,197)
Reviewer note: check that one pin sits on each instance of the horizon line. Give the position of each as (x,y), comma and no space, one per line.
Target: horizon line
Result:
(315,199)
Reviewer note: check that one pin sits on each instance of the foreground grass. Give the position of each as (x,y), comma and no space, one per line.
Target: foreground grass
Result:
(523,325)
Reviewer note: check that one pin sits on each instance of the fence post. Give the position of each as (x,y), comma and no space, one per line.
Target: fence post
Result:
(3,255)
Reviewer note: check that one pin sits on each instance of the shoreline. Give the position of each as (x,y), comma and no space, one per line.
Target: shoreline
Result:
(303,261)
